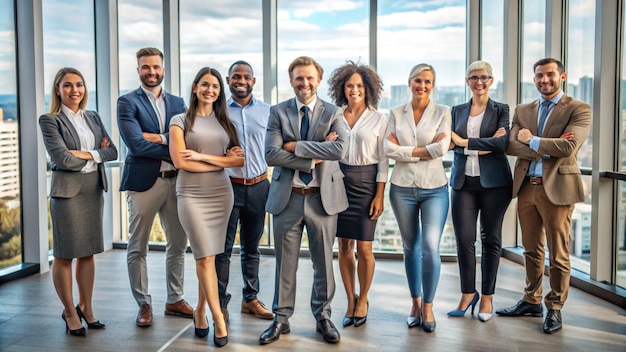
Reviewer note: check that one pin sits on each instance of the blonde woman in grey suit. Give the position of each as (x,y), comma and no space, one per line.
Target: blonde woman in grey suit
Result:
(78,145)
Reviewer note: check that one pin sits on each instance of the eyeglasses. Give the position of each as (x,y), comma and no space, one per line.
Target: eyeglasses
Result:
(483,79)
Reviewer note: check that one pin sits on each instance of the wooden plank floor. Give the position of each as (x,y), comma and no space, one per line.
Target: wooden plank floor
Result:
(30,316)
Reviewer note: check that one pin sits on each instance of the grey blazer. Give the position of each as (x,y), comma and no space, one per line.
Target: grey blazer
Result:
(283,126)
(59,137)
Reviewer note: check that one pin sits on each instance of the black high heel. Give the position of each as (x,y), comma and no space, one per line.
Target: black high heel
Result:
(347,321)
(219,341)
(78,332)
(95,325)
(358,321)
(201,333)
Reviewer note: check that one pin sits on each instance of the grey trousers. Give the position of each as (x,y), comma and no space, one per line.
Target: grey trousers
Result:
(143,207)
(301,211)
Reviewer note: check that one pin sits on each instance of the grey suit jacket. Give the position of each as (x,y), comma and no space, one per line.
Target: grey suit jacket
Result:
(59,137)
(283,126)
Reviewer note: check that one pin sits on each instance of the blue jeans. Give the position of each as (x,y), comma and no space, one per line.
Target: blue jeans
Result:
(421,215)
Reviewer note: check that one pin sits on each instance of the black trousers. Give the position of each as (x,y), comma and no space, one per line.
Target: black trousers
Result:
(468,203)
(249,212)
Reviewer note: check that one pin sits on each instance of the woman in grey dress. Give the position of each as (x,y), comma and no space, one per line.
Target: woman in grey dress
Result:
(78,144)
(203,142)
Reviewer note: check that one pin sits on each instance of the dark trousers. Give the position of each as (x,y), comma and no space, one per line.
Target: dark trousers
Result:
(467,203)
(249,212)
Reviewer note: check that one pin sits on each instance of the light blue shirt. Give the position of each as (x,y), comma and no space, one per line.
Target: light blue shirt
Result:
(535,169)
(251,123)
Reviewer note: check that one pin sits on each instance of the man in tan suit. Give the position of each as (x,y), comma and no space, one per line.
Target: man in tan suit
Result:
(546,135)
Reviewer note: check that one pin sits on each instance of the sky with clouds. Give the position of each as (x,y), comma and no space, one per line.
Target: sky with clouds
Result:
(218,32)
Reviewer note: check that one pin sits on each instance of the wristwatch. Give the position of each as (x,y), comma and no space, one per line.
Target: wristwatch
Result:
(529,139)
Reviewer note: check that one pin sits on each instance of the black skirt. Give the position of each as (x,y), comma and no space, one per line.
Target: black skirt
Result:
(355,222)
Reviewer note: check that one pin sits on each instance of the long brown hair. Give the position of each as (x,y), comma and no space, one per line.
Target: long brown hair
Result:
(219,107)
(55,97)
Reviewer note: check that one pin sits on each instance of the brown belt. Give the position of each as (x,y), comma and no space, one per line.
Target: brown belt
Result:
(249,181)
(305,191)
(168,174)
(537,181)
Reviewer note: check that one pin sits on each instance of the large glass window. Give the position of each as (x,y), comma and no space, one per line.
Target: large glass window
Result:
(579,68)
(219,49)
(200,46)
(492,43)
(65,46)
(140,25)
(10,206)
(621,167)
(329,31)
(409,33)
(533,45)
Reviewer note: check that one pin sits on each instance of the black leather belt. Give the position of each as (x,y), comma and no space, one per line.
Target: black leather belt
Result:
(305,191)
(168,174)
(537,181)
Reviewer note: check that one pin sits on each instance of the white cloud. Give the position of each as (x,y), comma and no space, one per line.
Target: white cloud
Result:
(450,16)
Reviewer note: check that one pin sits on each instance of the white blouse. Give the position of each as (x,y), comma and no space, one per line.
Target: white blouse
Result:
(472,168)
(410,171)
(85,136)
(366,143)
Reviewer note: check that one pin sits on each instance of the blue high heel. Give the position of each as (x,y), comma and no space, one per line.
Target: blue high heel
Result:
(460,313)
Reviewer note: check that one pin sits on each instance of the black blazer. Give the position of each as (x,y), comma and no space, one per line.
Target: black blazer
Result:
(494,167)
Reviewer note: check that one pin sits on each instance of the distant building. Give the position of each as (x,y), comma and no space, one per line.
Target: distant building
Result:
(9,159)
(585,89)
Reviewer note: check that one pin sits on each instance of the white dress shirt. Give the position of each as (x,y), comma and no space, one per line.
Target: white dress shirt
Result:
(472,167)
(85,136)
(366,145)
(410,171)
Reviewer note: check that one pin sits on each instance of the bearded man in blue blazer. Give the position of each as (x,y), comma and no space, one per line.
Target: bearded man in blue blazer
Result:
(150,179)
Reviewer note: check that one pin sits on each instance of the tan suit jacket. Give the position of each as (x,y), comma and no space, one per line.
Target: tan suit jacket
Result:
(561,174)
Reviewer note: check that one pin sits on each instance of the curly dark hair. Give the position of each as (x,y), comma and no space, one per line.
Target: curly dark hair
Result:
(371,80)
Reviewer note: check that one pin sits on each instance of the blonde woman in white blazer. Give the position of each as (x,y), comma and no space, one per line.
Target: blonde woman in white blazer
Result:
(418,135)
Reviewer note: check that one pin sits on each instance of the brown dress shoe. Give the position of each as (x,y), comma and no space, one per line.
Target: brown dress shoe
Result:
(225,314)
(180,308)
(144,317)
(257,308)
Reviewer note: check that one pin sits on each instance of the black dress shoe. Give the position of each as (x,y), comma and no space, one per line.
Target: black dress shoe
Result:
(553,322)
(273,332)
(522,308)
(328,330)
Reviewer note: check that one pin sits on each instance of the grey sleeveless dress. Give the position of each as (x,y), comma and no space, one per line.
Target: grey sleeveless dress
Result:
(205,199)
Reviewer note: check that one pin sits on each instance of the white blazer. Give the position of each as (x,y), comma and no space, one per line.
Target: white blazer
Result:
(411,171)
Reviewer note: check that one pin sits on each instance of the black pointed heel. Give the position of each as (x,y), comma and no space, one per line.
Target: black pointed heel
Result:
(78,332)
(219,341)
(199,332)
(95,325)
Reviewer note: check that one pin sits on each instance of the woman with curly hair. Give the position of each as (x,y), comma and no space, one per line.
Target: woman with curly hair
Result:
(356,88)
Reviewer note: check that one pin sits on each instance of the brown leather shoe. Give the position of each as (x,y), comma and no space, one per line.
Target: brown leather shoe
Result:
(225,314)
(180,308)
(144,317)
(257,308)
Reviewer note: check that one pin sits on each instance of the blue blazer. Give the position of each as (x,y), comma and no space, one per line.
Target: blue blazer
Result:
(135,115)
(494,167)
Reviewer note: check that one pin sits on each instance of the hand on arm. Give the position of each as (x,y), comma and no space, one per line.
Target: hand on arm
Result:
(377,206)
(152,137)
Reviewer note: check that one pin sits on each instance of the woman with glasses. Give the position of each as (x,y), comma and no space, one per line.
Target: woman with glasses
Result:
(418,135)
(481,186)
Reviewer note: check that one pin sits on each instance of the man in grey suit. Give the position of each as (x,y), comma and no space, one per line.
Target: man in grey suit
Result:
(305,139)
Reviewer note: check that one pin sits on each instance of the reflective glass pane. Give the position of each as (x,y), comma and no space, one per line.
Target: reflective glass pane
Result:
(10,202)
(140,25)
(621,185)
(409,33)
(330,31)
(220,49)
(533,44)
(65,46)
(200,46)
(492,45)
(579,68)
